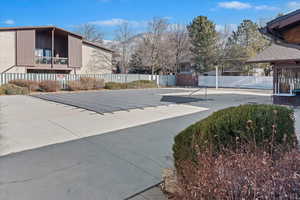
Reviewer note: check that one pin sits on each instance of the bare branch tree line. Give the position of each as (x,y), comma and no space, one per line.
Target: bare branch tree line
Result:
(164,47)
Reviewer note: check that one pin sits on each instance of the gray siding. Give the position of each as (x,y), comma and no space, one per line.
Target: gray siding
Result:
(75,51)
(7,50)
(25,47)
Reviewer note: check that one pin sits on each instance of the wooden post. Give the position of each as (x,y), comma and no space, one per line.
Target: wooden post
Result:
(52,48)
(274,80)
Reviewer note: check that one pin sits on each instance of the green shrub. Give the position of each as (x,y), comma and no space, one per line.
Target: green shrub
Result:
(31,85)
(10,89)
(267,126)
(141,84)
(131,85)
(49,86)
(115,86)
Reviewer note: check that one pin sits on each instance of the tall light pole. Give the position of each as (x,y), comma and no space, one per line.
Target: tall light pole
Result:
(217,77)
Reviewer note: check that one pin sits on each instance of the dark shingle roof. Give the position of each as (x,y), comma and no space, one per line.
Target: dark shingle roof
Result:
(284,17)
(277,52)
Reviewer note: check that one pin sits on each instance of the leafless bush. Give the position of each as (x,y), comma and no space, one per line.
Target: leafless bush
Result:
(241,175)
(49,86)
(99,84)
(86,83)
(73,85)
(31,85)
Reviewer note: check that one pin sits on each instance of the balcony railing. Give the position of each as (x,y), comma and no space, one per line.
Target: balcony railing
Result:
(48,60)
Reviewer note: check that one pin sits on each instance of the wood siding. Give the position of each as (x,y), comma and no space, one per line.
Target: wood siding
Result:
(292,35)
(25,47)
(74,51)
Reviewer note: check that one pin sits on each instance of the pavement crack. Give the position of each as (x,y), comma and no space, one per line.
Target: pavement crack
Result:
(68,130)
(41,176)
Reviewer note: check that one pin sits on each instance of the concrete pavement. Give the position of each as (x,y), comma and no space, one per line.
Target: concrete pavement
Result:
(111,166)
(153,193)
(28,123)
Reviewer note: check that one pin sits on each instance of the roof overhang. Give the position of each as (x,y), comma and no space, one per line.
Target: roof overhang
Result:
(278,52)
(39,28)
(97,46)
(273,61)
(276,27)
(58,29)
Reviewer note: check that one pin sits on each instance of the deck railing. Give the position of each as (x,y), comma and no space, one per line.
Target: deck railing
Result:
(44,60)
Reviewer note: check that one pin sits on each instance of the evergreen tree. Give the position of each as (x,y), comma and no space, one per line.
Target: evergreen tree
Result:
(136,65)
(244,43)
(204,37)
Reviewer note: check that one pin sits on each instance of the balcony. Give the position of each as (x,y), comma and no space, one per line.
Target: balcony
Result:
(46,60)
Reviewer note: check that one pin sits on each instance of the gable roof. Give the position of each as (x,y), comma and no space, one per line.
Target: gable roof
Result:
(277,53)
(56,28)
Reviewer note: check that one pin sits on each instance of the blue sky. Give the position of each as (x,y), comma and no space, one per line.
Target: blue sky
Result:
(106,14)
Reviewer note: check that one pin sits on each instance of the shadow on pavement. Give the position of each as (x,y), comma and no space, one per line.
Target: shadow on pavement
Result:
(182,99)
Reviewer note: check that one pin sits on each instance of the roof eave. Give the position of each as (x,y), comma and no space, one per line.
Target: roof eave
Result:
(98,46)
(38,27)
(272,61)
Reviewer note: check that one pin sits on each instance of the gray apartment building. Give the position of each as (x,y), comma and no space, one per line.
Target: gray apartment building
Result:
(49,49)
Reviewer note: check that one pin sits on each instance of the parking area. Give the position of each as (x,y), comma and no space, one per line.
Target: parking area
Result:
(111,101)
(99,156)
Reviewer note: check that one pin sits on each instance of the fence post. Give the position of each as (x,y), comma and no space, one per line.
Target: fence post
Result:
(217,77)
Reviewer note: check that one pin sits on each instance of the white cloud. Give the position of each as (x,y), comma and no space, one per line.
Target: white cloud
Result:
(237,5)
(117,22)
(9,22)
(234,5)
(293,5)
(265,7)
(111,22)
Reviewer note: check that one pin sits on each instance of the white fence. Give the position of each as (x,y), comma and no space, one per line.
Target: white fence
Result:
(162,80)
(253,82)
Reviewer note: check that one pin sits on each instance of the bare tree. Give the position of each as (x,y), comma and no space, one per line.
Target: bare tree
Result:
(180,45)
(153,39)
(123,36)
(90,32)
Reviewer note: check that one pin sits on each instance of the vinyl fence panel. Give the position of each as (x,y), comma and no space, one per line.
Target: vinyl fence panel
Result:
(166,80)
(251,82)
